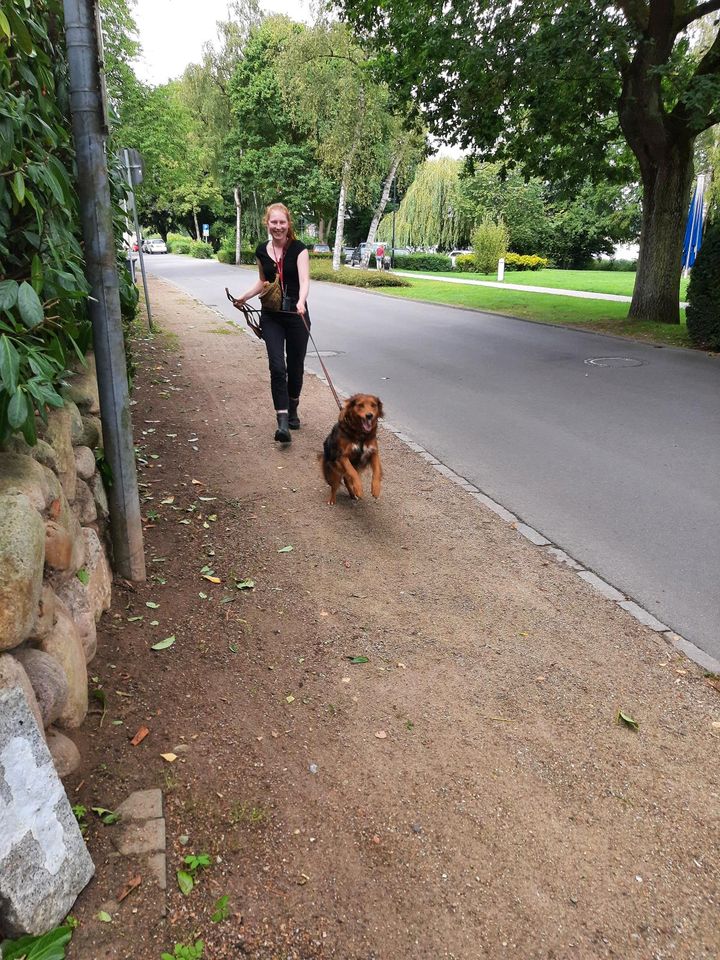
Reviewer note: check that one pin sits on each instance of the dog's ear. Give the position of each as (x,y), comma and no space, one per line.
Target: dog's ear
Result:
(347,407)
(381,412)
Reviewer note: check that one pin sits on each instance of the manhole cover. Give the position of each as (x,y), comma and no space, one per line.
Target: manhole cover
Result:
(614,362)
(327,353)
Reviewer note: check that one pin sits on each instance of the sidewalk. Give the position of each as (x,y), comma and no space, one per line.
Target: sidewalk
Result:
(400,741)
(554,291)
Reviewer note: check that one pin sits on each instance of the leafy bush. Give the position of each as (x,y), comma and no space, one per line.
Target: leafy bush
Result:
(465,263)
(320,256)
(489,242)
(421,261)
(178,243)
(44,327)
(200,250)
(703,311)
(519,261)
(621,266)
(356,278)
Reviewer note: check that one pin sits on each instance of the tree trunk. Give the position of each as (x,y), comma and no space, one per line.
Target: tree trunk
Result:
(321,230)
(380,209)
(197,225)
(238,228)
(337,249)
(666,194)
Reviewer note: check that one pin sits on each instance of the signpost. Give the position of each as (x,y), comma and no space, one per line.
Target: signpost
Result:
(206,231)
(134,171)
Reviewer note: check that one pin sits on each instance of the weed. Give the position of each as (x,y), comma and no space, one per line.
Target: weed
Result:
(242,812)
(186,878)
(80,812)
(221,910)
(186,951)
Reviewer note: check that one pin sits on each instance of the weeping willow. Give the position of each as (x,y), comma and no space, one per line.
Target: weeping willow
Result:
(427,215)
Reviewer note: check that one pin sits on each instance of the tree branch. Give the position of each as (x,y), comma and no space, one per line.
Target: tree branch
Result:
(637,12)
(710,6)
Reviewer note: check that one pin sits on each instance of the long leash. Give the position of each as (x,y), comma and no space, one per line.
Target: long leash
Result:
(252,318)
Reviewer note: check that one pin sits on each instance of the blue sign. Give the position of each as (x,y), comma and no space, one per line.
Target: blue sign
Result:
(206,229)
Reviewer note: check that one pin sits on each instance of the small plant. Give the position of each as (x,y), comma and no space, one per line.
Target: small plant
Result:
(186,951)
(221,910)
(186,878)
(242,812)
(50,946)
(80,812)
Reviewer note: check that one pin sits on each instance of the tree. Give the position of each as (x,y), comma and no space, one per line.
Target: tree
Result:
(428,213)
(565,89)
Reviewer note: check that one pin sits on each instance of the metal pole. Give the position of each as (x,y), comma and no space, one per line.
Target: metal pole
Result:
(126,156)
(101,271)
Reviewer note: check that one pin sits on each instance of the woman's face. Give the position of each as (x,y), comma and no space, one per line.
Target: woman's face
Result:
(278,224)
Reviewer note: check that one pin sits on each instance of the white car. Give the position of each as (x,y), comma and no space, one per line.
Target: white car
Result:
(155,245)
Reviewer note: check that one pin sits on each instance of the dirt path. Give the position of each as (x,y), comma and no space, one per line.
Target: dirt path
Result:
(465,793)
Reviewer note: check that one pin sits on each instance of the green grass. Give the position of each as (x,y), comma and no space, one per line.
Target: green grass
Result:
(602,316)
(592,281)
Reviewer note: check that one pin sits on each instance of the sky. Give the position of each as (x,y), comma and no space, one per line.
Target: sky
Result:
(172,32)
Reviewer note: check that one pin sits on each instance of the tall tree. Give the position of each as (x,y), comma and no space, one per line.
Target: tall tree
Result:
(564,88)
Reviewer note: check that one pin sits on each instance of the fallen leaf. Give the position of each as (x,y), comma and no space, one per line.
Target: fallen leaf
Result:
(152,604)
(287,549)
(139,736)
(164,644)
(358,660)
(131,885)
(170,757)
(303,879)
(625,718)
(108,817)
(104,916)
(206,576)
(290,699)
(133,619)
(197,483)
(345,680)
(381,735)
(185,882)
(245,584)
(168,500)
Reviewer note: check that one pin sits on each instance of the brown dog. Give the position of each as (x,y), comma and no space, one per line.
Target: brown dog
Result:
(351,446)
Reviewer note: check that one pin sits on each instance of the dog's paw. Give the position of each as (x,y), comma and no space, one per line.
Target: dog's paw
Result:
(375,489)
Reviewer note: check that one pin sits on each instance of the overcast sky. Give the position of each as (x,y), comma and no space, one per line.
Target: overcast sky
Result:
(172,32)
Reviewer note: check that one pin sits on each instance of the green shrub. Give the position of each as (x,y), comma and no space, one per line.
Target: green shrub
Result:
(200,250)
(178,244)
(421,261)
(520,261)
(489,243)
(465,263)
(621,266)
(320,256)
(356,278)
(703,311)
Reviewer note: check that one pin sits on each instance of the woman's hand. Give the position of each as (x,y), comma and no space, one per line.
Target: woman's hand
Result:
(301,307)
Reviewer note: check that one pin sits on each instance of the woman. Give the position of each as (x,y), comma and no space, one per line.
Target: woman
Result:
(285,331)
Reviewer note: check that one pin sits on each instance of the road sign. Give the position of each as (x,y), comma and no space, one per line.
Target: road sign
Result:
(206,229)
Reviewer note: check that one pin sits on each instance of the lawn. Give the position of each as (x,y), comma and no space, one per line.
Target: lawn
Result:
(602,316)
(592,281)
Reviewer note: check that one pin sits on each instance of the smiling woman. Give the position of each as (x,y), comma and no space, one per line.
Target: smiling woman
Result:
(283,284)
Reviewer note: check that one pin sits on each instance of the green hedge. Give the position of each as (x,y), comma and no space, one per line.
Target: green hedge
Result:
(44,329)
(422,261)
(465,263)
(620,266)
(703,310)
(356,278)
(200,250)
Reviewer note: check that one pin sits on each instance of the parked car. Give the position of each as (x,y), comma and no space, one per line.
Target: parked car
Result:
(457,253)
(359,252)
(347,254)
(320,248)
(154,245)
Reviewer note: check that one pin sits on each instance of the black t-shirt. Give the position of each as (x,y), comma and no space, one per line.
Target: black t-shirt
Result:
(290,269)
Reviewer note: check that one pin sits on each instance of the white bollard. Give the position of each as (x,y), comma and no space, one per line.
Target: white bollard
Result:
(501,269)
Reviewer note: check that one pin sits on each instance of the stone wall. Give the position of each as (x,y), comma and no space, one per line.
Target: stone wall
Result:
(55,578)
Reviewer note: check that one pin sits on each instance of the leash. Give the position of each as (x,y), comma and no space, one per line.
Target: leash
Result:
(252,318)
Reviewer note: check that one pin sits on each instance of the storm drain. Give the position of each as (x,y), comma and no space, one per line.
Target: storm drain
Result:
(614,362)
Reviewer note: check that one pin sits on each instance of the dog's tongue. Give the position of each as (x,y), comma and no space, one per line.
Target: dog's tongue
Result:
(367,426)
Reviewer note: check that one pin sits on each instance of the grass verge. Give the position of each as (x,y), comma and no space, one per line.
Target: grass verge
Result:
(601,316)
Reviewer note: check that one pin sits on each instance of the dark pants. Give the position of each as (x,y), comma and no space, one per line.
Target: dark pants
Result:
(286,341)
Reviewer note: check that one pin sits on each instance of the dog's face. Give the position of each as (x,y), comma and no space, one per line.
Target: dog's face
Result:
(362,411)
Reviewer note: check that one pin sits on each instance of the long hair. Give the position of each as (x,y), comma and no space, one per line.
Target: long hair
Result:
(280,206)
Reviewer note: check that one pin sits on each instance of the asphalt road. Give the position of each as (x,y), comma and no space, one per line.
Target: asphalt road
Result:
(617,461)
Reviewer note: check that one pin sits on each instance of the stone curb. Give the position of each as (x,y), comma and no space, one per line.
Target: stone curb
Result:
(605,589)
